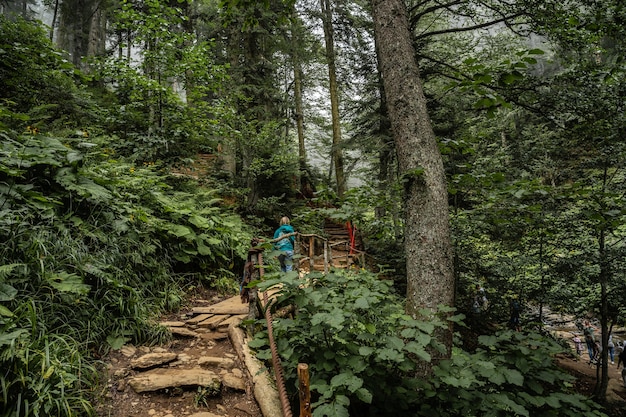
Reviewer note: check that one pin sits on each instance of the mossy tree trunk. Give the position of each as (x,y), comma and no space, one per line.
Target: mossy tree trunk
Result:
(430,278)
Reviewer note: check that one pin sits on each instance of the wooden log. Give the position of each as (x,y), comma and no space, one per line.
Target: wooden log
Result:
(304,390)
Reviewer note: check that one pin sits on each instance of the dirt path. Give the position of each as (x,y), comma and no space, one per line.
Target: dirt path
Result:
(204,349)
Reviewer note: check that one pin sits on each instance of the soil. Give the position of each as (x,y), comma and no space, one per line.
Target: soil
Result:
(585,374)
(120,400)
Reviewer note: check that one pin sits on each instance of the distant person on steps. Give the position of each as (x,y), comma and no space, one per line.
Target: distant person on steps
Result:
(285,245)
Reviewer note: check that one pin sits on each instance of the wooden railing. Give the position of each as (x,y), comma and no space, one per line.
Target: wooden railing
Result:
(314,250)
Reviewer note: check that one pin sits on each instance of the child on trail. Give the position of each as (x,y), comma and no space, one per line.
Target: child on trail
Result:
(285,245)
(578,343)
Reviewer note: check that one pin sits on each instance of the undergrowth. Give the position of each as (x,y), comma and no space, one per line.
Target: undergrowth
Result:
(364,353)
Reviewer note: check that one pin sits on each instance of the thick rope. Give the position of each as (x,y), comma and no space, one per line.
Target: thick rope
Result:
(278,368)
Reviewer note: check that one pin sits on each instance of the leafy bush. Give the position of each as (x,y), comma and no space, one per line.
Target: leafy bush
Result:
(37,80)
(103,249)
(512,374)
(363,354)
(361,348)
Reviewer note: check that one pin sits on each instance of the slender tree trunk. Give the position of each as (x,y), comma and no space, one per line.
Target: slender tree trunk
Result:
(129,38)
(602,380)
(55,12)
(430,277)
(385,149)
(337,151)
(297,89)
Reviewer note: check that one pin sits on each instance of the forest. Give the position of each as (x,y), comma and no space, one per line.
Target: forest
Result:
(472,143)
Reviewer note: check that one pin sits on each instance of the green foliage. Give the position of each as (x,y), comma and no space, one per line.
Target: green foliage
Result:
(361,348)
(95,246)
(149,114)
(37,81)
(363,353)
(512,374)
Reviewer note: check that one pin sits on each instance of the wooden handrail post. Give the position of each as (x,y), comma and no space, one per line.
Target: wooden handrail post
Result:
(304,390)
(326,251)
(311,253)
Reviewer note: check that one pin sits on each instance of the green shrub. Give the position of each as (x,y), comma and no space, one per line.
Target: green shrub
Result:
(363,354)
(362,350)
(510,374)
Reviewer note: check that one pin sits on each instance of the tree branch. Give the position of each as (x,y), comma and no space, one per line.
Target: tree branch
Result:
(467,28)
(415,18)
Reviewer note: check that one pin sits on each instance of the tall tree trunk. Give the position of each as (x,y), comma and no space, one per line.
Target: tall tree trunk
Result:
(81,30)
(337,152)
(54,19)
(297,90)
(305,183)
(430,277)
(602,375)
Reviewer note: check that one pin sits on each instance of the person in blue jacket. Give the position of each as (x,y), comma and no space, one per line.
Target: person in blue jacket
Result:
(285,245)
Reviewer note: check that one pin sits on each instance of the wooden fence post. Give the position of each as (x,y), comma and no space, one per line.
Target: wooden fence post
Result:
(311,253)
(303,388)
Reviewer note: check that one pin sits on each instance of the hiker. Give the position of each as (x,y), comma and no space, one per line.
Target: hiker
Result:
(480,300)
(597,350)
(590,340)
(621,360)
(578,343)
(611,346)
(285,245)
(514,321)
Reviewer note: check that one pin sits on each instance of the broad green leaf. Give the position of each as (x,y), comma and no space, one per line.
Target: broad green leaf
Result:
(418,349)
(553,401)
(9,338)
(5,312)
(347,380)
(66,282)
(179,230)
(364,395)
(513,376)
(361,302)
(7,292)
(199,222)
(116,342)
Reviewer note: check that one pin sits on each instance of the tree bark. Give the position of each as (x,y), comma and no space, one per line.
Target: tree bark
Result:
(430,277)
(297,88)
(337,153)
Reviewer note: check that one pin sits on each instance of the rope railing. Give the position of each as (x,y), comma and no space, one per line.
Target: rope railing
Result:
(276,363)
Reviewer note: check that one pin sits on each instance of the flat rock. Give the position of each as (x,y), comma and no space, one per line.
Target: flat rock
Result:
(231,320)
(172,378)
(172,323)
(231,305)
(128,350)
(197,319)
(246,407)
(213,322)
(214,335)
(183,331)
(231,381)
(204,414)
(152,359)
(215,361)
